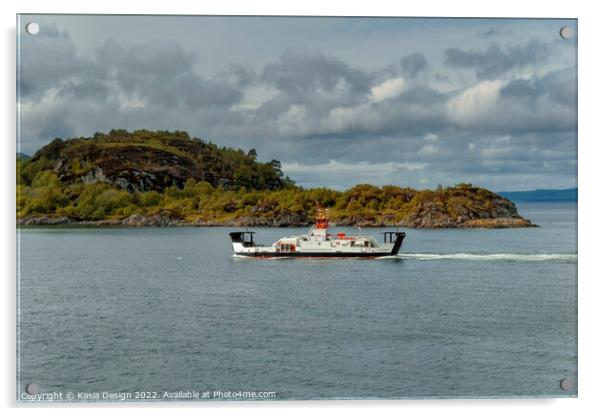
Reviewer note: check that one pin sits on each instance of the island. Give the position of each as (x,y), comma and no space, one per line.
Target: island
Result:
(163,178)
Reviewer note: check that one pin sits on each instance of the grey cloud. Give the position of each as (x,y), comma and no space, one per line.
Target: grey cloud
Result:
(85,89)
(560,86)
(408,67)
(300,70)
(159,61)
(523,160)
(239,75)
(162,72)
(53,126)
(412,64)
(494,32)
(49,60)
(422,95)
(519,88)
(312,81)
(495,61)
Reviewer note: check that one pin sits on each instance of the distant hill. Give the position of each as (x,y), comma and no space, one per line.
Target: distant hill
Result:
(542,195)
(23,156)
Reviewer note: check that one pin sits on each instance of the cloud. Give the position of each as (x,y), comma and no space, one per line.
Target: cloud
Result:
(45,119)
(520,87)
(300,71)
(162,72)
(50,60)
(294,121)
(536,104)
(496,61)
(387,89)
(431,137)
(255,96)
(475,103)
(343,175)
(412,64)
(559,86)
(494,32)
(429,149)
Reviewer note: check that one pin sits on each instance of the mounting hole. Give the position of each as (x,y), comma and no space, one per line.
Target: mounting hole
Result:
(32,388)
(32,28)
(566,384)
(566,32)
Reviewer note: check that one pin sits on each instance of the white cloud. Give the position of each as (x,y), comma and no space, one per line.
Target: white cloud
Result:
(431,137)
(474,103)
(335,166)
(341,118)
(499,147)
(341,175)
(387,89)
(294,121)
(501,140)
(429,149)
(255,96)
(130,101)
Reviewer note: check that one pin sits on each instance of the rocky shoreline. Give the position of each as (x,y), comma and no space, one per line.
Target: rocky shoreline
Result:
(138,220)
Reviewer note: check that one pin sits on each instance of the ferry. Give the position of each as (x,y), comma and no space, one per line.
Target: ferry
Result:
(318,243)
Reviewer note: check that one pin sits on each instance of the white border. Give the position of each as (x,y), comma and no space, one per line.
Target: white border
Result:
(589,192)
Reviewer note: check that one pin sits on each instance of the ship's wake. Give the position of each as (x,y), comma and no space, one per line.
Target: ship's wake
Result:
(500,257)
(508,257)
(239,256)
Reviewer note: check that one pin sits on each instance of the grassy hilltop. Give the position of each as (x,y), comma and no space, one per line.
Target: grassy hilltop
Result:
(167,178)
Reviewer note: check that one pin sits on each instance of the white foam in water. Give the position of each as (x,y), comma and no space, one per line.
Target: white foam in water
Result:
(239,256)
(559,257)
(563,257)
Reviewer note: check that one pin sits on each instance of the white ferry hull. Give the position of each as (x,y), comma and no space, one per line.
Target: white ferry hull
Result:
(317,246)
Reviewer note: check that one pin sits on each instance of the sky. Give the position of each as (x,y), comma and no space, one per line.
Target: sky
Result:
(339,101)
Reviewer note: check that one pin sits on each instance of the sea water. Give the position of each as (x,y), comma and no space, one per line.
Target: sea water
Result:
(169,314)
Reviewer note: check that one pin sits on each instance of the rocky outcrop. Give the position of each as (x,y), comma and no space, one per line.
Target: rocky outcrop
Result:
(429,215)
(43,220)
(284,218)
(138,220)
(498,223)
(93,176)
(500,213)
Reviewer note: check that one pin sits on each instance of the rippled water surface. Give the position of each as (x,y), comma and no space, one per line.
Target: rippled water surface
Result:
(459,313)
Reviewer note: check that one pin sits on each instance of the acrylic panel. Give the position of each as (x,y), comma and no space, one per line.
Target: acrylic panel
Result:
(294,208)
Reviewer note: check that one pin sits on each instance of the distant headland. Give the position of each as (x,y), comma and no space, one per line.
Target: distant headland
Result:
(162,178)
(542,195)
